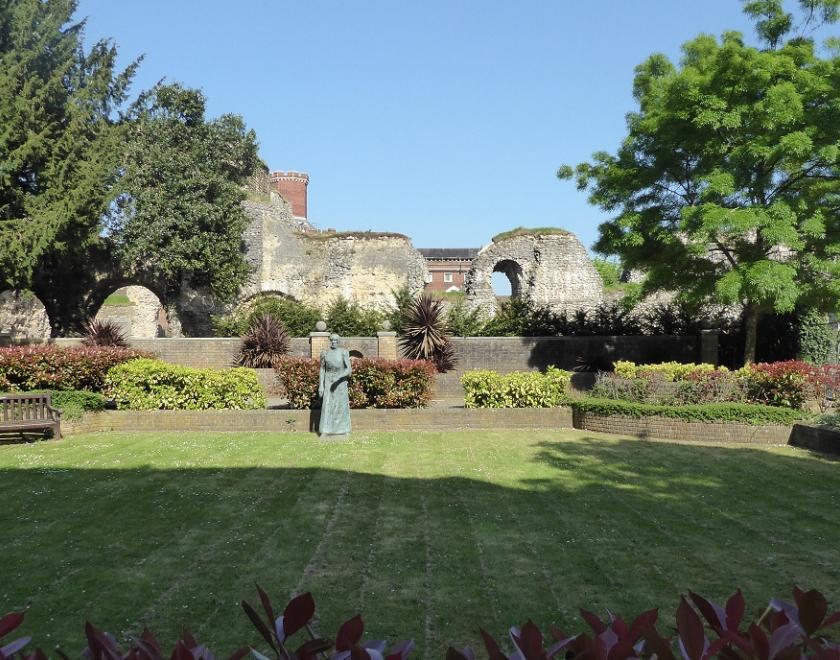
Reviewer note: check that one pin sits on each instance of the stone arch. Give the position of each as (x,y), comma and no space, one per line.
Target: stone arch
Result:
(150,312)
(549,267)
(514,273)
(137,310)
(23,317)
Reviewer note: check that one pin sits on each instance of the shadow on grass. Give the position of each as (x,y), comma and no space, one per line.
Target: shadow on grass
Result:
(619,524)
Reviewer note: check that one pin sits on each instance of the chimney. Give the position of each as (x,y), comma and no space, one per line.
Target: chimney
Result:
(292,187)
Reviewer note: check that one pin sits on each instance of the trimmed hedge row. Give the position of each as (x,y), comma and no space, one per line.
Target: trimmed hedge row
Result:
(741,413)
(373,383)
(145,384)
(518,389)
(54,368)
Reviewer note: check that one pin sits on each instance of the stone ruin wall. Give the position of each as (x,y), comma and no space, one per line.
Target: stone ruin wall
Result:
(553,270)
(292,258)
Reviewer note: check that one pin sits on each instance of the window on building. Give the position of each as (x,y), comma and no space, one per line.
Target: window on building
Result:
(429,278)
(447,277)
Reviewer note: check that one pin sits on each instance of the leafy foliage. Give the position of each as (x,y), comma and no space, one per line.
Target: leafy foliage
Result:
(610,272)
(818,340)
(373,383)
(265,342)
(726,185)
(299,318)
(53,368)
(349,319)
(518,389)
(464,322)
(145,384)
(74,403)
(703,629)
(105,332)
(181,193)
(426,334)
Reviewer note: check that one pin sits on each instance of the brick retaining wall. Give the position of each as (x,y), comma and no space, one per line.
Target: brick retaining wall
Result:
(667,428)
(816,438)
(369,419)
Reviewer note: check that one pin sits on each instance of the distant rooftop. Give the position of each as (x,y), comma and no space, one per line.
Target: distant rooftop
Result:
(449,253)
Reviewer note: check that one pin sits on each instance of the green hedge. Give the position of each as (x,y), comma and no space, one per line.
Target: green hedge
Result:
(740,413)
(72,403)
(518,389)
(153,385)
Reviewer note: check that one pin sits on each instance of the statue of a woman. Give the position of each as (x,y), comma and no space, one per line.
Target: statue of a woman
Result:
(333,390)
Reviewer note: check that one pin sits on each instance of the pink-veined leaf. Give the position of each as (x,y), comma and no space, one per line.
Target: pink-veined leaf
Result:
(9,622)
(349,634)
(735,608)
(298,613)
(690,627)
(812,610)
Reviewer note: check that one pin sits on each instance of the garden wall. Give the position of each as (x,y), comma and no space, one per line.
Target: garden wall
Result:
(274,421)
(816,438)
(675,429)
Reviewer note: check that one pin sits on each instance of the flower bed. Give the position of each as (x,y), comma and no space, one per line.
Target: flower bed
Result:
(518,389)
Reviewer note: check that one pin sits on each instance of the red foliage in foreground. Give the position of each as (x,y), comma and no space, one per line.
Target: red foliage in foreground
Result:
(704,629)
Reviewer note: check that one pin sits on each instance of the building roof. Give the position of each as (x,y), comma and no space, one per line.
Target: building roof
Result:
(449,253)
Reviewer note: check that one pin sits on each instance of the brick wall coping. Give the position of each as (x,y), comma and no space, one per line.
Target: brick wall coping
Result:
(368,419)
(413,419)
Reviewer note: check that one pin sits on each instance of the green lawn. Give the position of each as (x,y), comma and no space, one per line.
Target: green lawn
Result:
(429,535)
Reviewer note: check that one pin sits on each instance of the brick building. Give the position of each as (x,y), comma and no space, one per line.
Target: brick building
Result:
(292,187)
(447,267)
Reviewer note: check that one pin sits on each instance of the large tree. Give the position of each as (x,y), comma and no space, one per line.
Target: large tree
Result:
(727,185)
(58,140)
(179,218)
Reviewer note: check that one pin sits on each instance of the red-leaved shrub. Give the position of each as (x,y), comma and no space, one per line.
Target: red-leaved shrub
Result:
(373,384)
(701,629)
(787,383)
(55,368)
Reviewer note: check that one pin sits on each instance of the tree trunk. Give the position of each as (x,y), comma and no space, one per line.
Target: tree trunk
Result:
(750,333)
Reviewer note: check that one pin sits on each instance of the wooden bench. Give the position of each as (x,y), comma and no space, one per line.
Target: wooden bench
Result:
(29,412)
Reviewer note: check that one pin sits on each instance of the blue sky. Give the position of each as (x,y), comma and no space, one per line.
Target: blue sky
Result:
(444,119)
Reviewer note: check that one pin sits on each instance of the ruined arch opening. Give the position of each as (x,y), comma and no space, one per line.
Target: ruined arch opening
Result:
(507,279)
(137,310)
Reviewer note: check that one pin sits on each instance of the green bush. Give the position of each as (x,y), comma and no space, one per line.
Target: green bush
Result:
(349,319)
(817,338)
(518,389)
(741,413)
(298,318)
(74,403)
(153,385)
(667,371)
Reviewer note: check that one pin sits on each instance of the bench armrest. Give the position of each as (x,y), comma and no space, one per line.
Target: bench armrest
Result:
(56,412)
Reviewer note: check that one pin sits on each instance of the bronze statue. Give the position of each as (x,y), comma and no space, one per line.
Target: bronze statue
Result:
(333,390)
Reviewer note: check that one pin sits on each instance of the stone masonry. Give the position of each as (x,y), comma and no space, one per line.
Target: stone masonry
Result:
(551,269)
(291,258)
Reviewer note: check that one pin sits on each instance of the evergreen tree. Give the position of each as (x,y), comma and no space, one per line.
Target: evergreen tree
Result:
(59,149)
(178,218)
(727,186)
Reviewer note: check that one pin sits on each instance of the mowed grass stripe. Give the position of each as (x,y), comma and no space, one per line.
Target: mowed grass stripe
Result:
(434,534)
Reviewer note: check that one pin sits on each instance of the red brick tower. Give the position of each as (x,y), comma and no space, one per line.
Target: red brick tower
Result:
(292,187)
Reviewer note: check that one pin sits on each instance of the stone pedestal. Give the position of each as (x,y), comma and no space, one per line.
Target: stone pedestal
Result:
(318,343)
(709,347)
(387,345)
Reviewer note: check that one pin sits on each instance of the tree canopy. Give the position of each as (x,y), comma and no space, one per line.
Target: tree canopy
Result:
(727,185)
(178,217)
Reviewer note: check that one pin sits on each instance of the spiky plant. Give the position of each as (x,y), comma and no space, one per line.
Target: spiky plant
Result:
(426,334)
(265,342)
(103,333)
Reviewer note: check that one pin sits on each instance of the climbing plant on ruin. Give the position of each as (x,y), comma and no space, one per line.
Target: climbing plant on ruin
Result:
(727,185)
